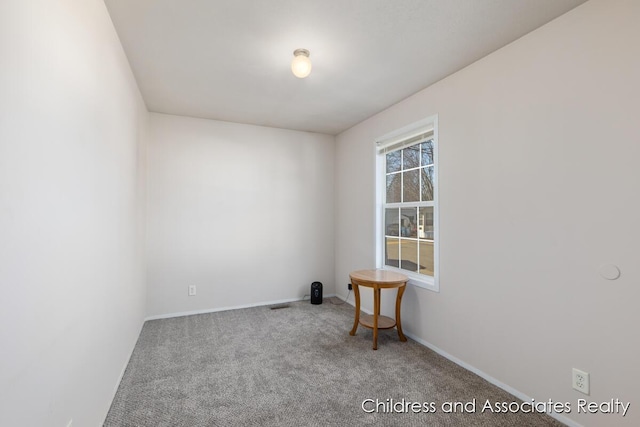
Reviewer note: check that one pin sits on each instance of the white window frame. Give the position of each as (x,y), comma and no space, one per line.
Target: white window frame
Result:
(394,140)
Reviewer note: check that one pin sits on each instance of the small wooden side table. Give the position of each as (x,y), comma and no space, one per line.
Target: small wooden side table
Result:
(378,279)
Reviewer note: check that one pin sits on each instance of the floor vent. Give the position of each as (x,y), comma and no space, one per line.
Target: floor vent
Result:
(279,306)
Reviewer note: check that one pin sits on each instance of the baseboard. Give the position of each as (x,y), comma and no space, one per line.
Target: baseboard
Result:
(235,307)
(569,422)
(561,418)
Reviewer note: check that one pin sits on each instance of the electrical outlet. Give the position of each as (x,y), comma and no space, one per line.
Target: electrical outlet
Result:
(581,381)
(349,286)
(192,290)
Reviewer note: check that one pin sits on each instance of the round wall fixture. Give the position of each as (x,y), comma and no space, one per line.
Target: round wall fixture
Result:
(609,271)
(301,64)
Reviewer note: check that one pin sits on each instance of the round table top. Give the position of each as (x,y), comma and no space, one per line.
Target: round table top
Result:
(379,277)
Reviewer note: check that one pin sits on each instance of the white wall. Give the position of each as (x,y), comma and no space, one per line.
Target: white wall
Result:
(539,184)
(72,292)
(244,213)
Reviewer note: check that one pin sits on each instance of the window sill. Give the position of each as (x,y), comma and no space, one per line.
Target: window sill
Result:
(417,280)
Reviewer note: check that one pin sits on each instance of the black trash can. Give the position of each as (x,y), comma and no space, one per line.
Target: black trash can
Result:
(316,293)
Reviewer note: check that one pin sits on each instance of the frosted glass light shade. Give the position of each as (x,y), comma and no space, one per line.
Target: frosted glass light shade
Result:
(301,64)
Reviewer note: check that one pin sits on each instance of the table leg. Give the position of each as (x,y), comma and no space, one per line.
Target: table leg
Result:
(398,302)
(376,313)
(356,293)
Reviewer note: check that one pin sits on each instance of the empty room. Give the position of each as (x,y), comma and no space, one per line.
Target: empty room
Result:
(319,212)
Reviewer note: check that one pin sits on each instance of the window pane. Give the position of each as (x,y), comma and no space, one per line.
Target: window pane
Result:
(426,258)
(409,254)
(426,149)
(411,157)
(411,186)
(392,226)
(409,205)
(393,161)
(408,222)
(394,188)
(392,252)
(427,183)
(425,223)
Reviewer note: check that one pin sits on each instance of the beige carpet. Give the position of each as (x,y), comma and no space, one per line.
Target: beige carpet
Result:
(295,366)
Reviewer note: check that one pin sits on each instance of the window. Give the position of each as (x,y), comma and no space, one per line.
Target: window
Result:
(407,203)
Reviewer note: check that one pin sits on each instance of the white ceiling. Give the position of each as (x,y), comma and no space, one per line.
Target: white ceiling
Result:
(230,59)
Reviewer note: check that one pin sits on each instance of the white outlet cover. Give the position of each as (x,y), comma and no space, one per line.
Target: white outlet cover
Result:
(580,381)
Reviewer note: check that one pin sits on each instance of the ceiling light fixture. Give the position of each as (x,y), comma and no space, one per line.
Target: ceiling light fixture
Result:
(301,64)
